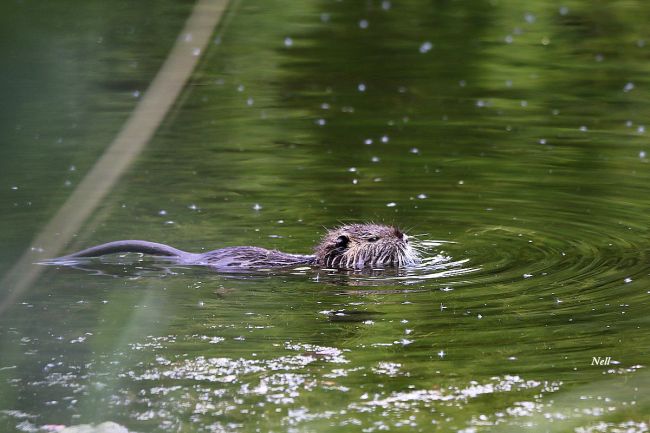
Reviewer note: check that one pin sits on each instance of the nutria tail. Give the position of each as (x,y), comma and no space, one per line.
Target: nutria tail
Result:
(128,246)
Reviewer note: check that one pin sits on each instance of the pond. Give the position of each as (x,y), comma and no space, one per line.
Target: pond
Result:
(508,137)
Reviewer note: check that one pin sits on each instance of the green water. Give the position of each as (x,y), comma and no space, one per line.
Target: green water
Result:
(509,136)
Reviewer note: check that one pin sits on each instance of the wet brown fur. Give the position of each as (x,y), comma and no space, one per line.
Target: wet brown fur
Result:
(356,246)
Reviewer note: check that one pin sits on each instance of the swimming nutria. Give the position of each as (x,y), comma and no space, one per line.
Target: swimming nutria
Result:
(353,246)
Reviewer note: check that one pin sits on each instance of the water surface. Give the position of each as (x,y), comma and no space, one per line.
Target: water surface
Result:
(509,136)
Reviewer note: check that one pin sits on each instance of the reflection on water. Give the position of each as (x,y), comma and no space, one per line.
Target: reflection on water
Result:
(510,137)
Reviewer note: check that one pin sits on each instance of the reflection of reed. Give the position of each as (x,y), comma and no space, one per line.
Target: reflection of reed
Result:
(128,144)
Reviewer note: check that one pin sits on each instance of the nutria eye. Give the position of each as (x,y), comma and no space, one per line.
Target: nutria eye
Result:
(342,241)
(373,239)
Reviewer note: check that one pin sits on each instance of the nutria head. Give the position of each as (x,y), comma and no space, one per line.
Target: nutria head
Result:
(357,246)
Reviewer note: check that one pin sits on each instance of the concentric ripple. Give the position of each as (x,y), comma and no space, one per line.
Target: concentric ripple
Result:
(578,256)
(503,255)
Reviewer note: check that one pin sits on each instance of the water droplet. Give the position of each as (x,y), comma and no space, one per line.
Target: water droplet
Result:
(542,141)
(530,18)
(193,207)
(425,47)
(422,196)
(162,212)
(523,103)
(627,280)
(325,106)
(367,141)
(628,86)
(320,122)
(352,169)
(599,57)
(508,39)
(72,168)
(385,5)
(564,10)
(325,17)
(136,93)
(240,88)
(375,159)
(461,182)
(257,207)
(642,154)
(391,204)
(384,138)
(288,42)
(361,87)
(583,128)
(363,24)
(414,150)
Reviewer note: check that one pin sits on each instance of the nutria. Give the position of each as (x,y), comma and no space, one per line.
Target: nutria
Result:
(353,246)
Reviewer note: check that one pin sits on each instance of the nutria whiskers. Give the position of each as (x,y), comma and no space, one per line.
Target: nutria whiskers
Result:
(353,246)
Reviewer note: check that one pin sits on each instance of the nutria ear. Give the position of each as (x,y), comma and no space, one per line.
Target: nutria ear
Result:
(342,241)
